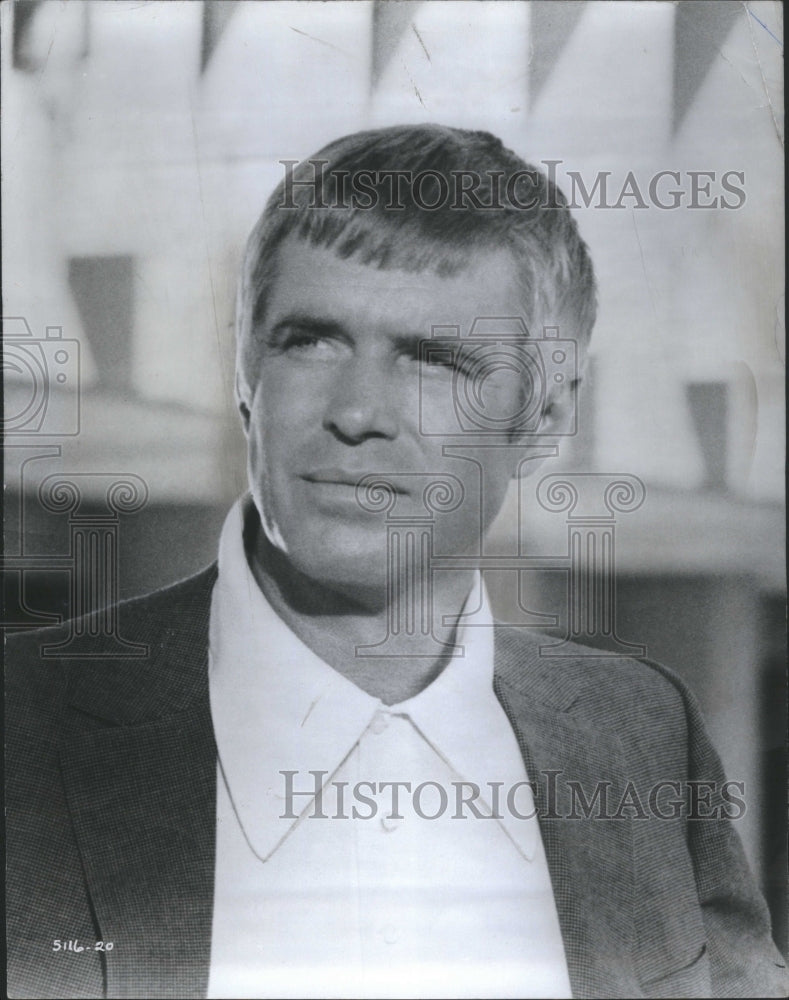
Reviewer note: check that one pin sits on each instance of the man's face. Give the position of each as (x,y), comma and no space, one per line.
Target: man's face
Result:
(337,396)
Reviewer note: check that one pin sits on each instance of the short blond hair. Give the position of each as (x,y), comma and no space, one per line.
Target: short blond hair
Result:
(553,261)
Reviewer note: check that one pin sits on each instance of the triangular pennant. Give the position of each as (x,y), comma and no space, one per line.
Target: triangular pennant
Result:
(390,21)
(103,290)
(216,14)
(22,13)
(552,24)
(700,29)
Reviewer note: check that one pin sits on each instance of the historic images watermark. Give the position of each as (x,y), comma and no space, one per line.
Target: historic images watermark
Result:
(45,372)
(496,347)
(43,397)
(468,412)
(495,190)
(551,797)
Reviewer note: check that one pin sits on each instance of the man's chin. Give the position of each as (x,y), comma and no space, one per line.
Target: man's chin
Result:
(340,560)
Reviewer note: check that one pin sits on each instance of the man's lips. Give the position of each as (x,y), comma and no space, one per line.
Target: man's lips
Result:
(336,476)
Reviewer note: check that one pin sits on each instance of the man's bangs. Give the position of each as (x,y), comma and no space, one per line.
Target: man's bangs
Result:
(376,239)
(426,225)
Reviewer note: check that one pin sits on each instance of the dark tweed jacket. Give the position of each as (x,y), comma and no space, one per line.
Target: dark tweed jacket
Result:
(111,768)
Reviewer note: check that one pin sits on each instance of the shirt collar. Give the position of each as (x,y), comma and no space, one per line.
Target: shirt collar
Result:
(276,706)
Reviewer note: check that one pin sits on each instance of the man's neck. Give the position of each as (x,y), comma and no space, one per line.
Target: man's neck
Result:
(334,625)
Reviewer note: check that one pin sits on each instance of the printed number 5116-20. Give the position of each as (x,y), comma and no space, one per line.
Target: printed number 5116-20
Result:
(74,945)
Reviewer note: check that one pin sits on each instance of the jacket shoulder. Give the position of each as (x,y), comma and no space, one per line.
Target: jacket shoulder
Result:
(637,698)
(35,670)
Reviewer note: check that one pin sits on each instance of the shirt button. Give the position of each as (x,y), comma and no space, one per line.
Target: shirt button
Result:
(379,724)
(390,934)
(391,823)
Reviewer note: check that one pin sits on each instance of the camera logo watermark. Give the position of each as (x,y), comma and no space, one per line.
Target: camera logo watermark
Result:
(495,348)
(42,406)
(41,375)
(494,389)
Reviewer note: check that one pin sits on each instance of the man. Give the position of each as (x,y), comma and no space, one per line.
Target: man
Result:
(332,775)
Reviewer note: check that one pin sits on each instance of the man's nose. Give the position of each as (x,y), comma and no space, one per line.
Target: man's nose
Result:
(362,403)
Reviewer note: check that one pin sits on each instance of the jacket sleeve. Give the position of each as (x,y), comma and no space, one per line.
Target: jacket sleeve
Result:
(47,902)
(744,961)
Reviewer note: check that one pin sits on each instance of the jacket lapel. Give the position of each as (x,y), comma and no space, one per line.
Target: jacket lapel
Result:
(139,768)
(590,858)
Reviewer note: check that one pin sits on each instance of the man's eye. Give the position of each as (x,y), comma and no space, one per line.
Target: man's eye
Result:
(309,344)
(451,359)
(438,359)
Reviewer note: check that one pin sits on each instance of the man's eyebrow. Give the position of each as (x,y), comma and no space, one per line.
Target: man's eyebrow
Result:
(410,341)
(320,326)
(306,321)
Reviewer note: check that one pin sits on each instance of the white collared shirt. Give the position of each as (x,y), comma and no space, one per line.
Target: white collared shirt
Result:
(343,894)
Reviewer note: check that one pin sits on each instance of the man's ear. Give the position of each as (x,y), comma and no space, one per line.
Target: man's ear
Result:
(560,407)
(557,416)
(241,402)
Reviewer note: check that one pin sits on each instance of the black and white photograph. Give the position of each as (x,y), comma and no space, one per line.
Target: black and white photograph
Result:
(394,581)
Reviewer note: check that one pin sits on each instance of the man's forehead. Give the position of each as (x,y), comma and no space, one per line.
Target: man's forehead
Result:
(315,281)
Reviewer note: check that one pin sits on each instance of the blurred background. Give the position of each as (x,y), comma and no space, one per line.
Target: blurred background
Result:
(140,143)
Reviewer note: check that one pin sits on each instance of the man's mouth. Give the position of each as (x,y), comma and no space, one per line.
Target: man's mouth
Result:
(337,476)
(336,487)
